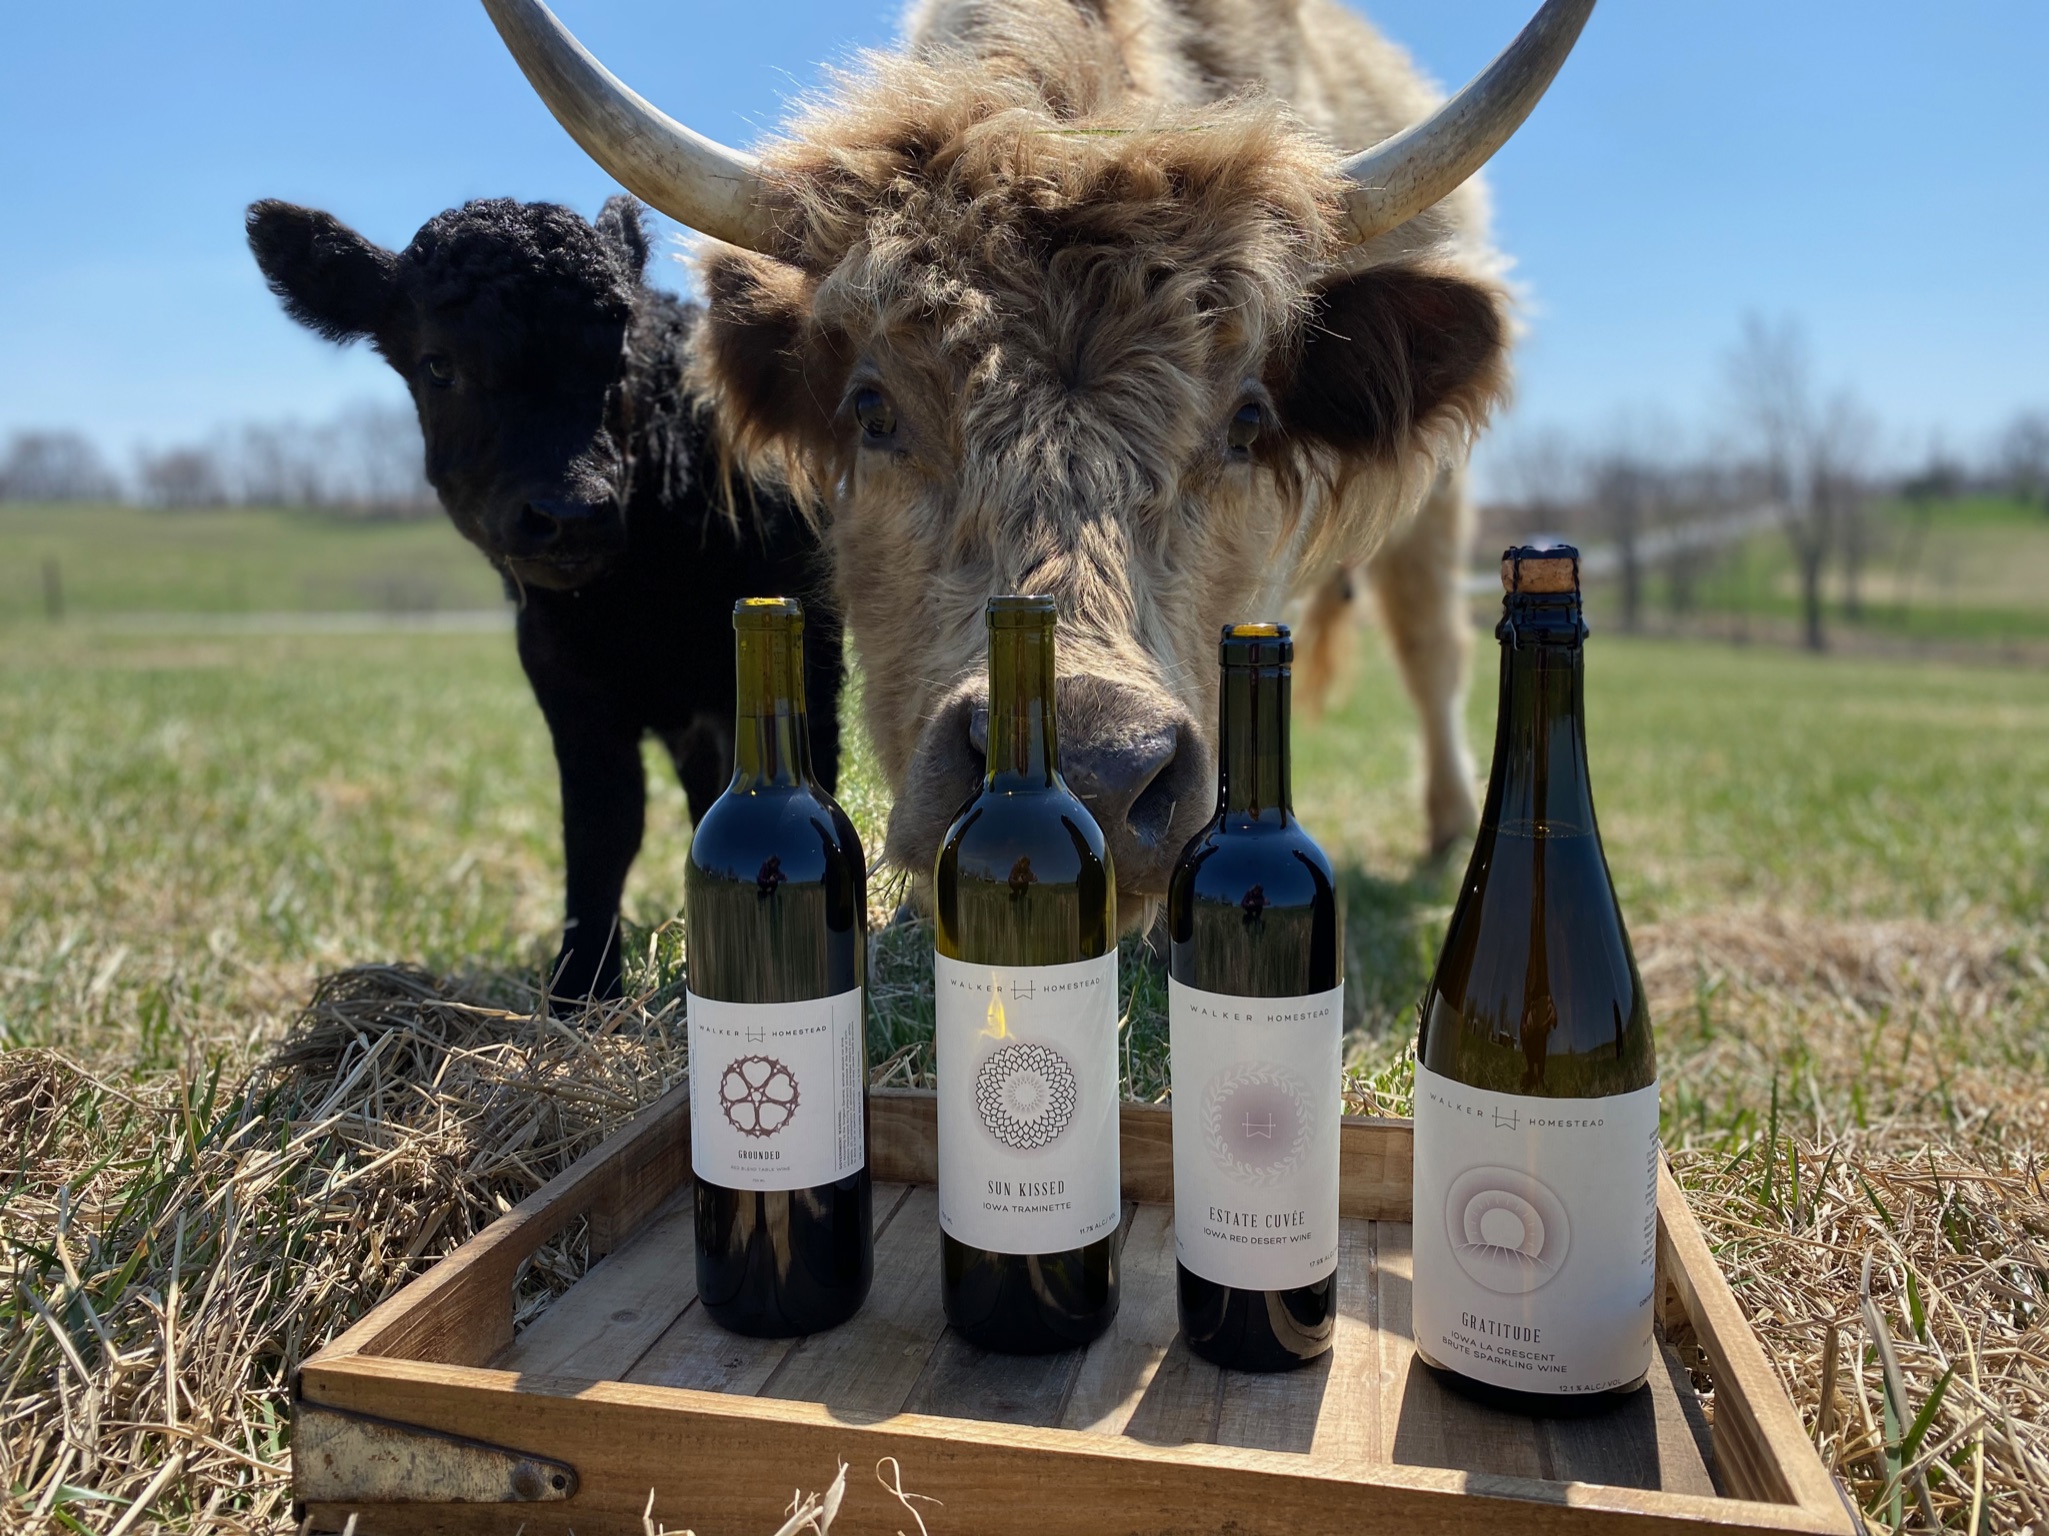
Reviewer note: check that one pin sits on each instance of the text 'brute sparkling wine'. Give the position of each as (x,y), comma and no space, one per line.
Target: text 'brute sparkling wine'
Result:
(1025,988)
(1256,1014)
(775,908)
(1535,1220)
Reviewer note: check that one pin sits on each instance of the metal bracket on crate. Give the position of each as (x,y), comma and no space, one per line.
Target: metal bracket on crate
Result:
(351,1458)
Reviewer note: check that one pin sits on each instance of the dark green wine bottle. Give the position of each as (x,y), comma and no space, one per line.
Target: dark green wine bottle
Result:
(1256,1013)
(775,905)
(1536,1081)
(1025,983)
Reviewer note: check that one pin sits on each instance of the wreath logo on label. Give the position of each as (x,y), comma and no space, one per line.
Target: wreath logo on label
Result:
(758,1094)
(1257,1121)
(1025,1095)
(1508,1231)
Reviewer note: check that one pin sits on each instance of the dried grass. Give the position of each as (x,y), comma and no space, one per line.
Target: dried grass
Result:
(1839,1092)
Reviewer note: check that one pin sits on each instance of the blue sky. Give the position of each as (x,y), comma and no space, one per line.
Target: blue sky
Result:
(1877,169)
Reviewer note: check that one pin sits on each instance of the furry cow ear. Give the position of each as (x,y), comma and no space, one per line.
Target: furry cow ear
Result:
(619,227)
(775,374)
(1393,350)
(330,278)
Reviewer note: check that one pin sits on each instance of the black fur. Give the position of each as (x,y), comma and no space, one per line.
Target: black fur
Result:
(560,437)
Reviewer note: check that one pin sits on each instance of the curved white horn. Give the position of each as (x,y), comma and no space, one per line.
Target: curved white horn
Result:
(694,180)
(1401,176)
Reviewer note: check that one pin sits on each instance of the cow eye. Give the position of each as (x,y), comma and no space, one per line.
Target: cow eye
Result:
(1244,429)
(876,416)
(439,369)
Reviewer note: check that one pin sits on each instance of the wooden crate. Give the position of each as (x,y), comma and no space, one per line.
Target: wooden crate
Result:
(430,1415)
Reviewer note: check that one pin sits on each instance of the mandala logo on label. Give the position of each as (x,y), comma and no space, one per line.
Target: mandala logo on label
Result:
(1025,1095)
(1257,1121)
(758,1094)
(1508,1231)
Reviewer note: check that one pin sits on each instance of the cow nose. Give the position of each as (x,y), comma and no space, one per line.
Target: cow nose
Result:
(548,524)
(1138,763)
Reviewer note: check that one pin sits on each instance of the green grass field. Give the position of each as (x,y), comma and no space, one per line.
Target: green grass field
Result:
(1836,869)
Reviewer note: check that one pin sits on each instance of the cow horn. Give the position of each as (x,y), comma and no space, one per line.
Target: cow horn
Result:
(1401,176)
(694,180)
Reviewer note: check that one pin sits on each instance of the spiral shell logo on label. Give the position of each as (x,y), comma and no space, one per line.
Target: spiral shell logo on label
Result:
(1025,1095)
(1257,1121)
(1508,1231)
(758,1095)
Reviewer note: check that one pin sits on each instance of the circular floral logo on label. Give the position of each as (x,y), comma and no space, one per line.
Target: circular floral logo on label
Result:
(1257,1120)
(1025,1095)
(758,1094)
(1508,1231)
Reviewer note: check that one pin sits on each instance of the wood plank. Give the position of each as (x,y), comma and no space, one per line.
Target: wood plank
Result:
(1118,1369)
(1375,1156)
(1761,1447)
(1434,1426)
(724,1465)
(606,1321)
(963,1381)
(1349,1428)
(696,1352)
(460,1311)
(1644,1443)
(865,1368)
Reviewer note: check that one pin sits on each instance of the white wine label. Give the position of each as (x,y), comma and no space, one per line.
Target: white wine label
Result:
(1027,1103)
(1256,1109)
(1536,1226)
(777,1092)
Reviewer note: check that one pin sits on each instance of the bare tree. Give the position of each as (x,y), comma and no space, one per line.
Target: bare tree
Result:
(1540,477)
(1839,457)
(1624,493)
(1771,383)
(2024,457)
(55,466)
(182,477)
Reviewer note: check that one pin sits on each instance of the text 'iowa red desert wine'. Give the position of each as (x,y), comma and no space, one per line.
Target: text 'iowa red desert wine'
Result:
(776,919)
(1535,1219)
(1256,1013)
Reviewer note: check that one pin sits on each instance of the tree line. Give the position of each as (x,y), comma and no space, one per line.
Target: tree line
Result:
(1811,463)
(364,462)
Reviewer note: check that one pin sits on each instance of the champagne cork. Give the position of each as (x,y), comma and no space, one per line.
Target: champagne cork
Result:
(1552,568)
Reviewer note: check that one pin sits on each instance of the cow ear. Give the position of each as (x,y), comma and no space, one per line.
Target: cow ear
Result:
(1393,351)
(775,374)
(619,227)
(330,278)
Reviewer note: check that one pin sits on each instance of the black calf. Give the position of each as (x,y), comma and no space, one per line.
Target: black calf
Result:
(564,444)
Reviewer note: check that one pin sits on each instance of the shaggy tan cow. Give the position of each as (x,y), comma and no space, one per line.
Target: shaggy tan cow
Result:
(1081,297)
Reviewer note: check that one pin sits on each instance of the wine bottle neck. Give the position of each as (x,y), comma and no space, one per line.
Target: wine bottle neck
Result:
(1252,747)
(771,736)
(1539,785)
(1024,741)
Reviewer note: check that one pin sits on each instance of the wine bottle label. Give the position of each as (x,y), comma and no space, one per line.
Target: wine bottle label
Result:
(1256,1109)
(1027,1103)
(777,1092)
(1536,1226)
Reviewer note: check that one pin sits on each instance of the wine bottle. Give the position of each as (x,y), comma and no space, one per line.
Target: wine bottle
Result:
(1025,985)
(1255,998)
(1536,1080)
(775,909)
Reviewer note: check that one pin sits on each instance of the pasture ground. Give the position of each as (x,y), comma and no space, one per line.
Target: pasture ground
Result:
(271,907)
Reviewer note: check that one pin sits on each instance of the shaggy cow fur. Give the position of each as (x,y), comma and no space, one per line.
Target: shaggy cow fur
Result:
(1062,301)
(565,444)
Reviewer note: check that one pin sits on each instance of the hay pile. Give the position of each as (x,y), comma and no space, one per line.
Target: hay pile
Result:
(173,1252)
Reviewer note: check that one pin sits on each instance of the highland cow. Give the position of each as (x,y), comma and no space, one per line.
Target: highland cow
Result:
(1082,297)
(566,444)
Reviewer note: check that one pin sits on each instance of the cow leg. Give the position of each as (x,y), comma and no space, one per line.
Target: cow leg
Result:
(824,675)
(703,755)
(604,805)
(1415,577)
